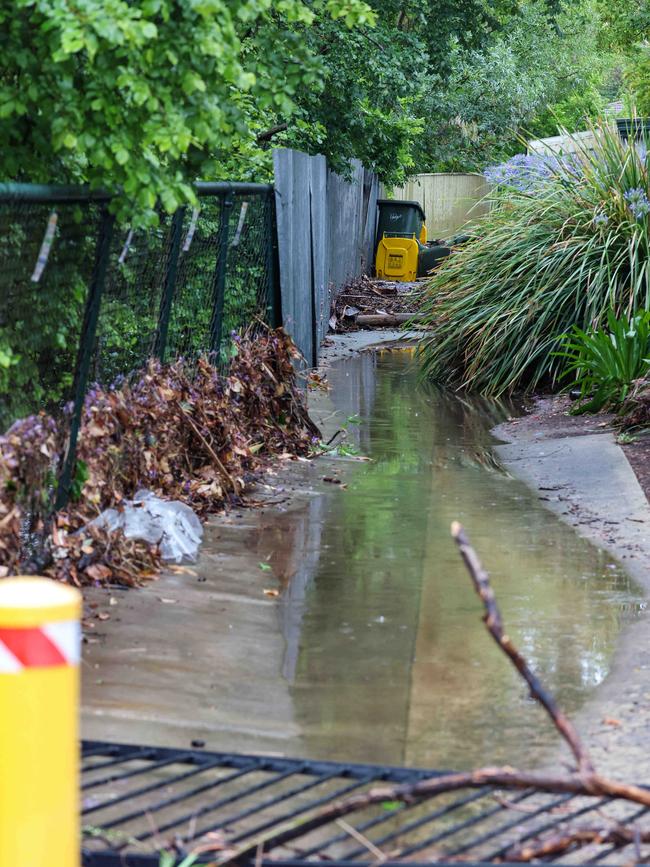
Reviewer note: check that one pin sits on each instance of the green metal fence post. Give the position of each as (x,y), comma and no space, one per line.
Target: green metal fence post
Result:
(272,264)
(84,353)
(216,325)
(169,283)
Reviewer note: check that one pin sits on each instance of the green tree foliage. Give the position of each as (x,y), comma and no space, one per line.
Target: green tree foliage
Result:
(622,24)
(539,69)
(637,79)
(139,96)
(369,101)
(144,98)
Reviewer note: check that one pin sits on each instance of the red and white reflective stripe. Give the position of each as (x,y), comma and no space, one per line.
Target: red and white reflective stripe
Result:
(48,646)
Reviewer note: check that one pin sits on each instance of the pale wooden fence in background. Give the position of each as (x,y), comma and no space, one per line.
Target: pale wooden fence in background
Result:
(451,201)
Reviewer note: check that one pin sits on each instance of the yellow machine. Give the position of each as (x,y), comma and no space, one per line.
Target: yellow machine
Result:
(402,253)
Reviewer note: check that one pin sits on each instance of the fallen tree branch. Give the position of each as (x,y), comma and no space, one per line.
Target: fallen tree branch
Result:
(410,793)
(585,782)
(494,625)
(565,841)
(268,134)
(382,320)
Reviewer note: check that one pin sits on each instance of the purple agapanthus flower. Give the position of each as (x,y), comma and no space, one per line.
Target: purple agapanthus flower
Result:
(601,219)
(523,172)
(637,202)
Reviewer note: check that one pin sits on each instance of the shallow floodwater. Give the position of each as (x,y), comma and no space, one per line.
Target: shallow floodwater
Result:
(386,657)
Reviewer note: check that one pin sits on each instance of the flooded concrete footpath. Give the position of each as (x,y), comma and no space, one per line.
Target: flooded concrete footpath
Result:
(336,620)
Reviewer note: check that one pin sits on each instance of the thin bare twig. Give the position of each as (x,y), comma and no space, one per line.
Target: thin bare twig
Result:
(494,625)
(564,841)
(359,837)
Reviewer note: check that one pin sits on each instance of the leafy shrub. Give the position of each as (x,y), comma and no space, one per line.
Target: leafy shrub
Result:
(560,253)
(605,362)
(637,77)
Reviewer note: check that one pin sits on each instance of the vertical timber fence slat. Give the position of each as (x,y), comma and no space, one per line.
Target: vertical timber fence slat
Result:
(84,356)
(169,283)
(272,265)
(216,326)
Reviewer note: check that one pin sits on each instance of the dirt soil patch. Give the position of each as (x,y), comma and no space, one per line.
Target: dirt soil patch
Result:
(549,416)
(638,455)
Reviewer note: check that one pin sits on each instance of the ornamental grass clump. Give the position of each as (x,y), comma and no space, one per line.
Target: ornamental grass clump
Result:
(562,245)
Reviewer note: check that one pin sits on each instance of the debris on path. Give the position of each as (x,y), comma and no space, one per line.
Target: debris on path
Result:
(368,303)
(169,524)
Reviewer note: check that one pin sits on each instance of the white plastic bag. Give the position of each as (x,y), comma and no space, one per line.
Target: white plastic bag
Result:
(168,523)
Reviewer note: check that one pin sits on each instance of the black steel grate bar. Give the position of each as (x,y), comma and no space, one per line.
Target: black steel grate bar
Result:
(344,790)
(460,826)
(364,826)
(151,787)
(113,778)
(608,851)
(507,826)
(90,749)
(421,821)
(215,805)
(468,831)
(332,840)
(540,829)
(169,802)
(122,758)
(273,763)
(312,784)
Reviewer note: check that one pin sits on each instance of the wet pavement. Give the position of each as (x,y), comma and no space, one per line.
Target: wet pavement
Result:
(337,622)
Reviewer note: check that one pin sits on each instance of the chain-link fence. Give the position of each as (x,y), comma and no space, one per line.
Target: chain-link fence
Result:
(83,300)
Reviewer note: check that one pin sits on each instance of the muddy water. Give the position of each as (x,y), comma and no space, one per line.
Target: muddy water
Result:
(386,657)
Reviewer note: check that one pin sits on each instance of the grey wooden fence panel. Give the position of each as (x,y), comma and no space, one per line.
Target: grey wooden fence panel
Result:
(326,230)
(292,198)
(367,252)
(320,247)
(344,206)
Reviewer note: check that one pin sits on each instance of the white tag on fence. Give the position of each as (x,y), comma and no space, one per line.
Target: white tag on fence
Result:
(125,248)
(240,224)
(191,230)
(46,246)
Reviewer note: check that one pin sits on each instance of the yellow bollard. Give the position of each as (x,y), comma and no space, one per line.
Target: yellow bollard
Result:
(39,741)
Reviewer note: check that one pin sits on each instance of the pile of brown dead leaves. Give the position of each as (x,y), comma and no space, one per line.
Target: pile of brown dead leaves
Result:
(183,431)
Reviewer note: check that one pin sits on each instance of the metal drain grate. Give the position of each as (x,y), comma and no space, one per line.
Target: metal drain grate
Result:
(137,800)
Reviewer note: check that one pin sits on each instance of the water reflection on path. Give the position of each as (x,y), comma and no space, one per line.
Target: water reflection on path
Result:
(387,658)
